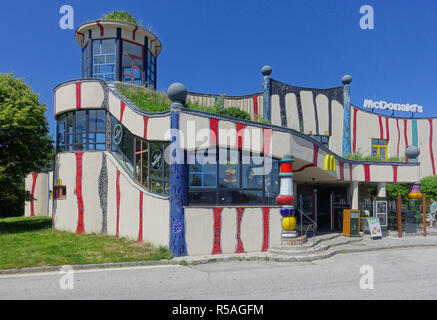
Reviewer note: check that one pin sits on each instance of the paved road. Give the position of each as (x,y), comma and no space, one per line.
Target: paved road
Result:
(398,274)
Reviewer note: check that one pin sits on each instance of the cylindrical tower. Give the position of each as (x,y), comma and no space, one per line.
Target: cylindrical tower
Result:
(118,51)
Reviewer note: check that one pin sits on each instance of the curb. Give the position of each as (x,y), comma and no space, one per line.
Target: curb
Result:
(196,261)
(108,265)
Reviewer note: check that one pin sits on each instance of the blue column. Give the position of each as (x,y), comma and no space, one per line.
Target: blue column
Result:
(178,174)
(346,80)
(267,71)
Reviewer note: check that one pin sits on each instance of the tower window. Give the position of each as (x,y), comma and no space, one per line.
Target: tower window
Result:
(104,59)
(132,63)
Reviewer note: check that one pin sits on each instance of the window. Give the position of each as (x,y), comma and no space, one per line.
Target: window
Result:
(324,140)
(123,145)
(231,177)
(132,63)
(60,135)
(104,59)
(81,130)
(151,69)
(143,160)
(159,168)
(86,62)
(202,175)
(379,148)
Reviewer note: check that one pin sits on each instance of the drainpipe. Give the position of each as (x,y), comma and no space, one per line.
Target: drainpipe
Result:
(178,172)
(267,71)
(346,80)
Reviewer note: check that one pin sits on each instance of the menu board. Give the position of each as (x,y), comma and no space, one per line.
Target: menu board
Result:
(374,228)
(381,213)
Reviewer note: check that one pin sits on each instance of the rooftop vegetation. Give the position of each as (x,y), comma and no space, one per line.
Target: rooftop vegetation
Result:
(360,157)
(122,16)
(150,100)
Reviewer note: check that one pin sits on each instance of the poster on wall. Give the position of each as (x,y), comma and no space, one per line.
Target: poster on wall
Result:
(382,213)
(374,228)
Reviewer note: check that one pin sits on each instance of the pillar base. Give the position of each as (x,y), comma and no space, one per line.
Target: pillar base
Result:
(289,234)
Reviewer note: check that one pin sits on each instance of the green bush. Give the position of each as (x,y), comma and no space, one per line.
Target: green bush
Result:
(235,113)
(150,100)
(429,187)
(394,189)
(121,16)
(360,157)
(146,99)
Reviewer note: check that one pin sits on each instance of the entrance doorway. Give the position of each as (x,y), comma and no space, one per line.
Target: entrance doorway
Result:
(324,204)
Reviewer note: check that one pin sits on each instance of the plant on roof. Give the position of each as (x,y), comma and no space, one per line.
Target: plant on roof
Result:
(122,16)
(357,156)
(150,100)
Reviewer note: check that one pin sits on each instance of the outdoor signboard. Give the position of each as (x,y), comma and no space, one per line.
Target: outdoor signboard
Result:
(381,213)
(374,228)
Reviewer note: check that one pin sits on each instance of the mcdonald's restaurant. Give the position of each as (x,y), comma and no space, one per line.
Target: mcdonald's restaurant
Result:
(265,167)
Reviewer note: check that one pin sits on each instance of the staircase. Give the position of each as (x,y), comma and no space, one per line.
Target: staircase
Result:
(320,247)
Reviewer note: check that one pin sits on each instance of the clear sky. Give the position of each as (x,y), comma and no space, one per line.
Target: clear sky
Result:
(219,46)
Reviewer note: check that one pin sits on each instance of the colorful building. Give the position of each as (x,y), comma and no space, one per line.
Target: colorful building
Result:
(125,172)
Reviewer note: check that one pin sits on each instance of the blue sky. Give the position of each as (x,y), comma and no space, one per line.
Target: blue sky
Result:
(219,47)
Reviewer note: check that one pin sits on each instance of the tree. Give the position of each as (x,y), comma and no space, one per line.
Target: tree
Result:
(394,189)
(25,145)
(429,187)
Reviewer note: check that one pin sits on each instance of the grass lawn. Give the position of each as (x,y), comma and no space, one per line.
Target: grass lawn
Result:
(30,242)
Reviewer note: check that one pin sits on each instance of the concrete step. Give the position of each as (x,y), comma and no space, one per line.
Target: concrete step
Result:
(311,241)
(312,250)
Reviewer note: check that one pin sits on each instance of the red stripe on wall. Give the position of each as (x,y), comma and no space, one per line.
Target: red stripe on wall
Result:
(78,95)
(146,122)
(267,138)
(395,173)
(387,128)
(117,188)
(381,129)
(240,247)
(255,107)
(266,213)
(140,232)
(315,154)
(406,137)
(101,28)
(122,107)
(34,177)
(315,159)
(133,32)
(78,192)
(217,248)
(399,135)
(367,172)
(240,134)
(430,146)
(213,131)
(354,139)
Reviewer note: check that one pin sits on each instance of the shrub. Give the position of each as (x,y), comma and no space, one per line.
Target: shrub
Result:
(235,113)
(121,16)
(429,187)
(394,189)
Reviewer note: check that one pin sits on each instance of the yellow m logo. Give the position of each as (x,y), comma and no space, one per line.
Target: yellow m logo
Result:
(330,164)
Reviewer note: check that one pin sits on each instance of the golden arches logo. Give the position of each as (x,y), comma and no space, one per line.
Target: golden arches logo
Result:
(330,164)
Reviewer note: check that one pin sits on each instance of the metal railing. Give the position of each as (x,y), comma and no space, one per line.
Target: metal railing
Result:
(307,227)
